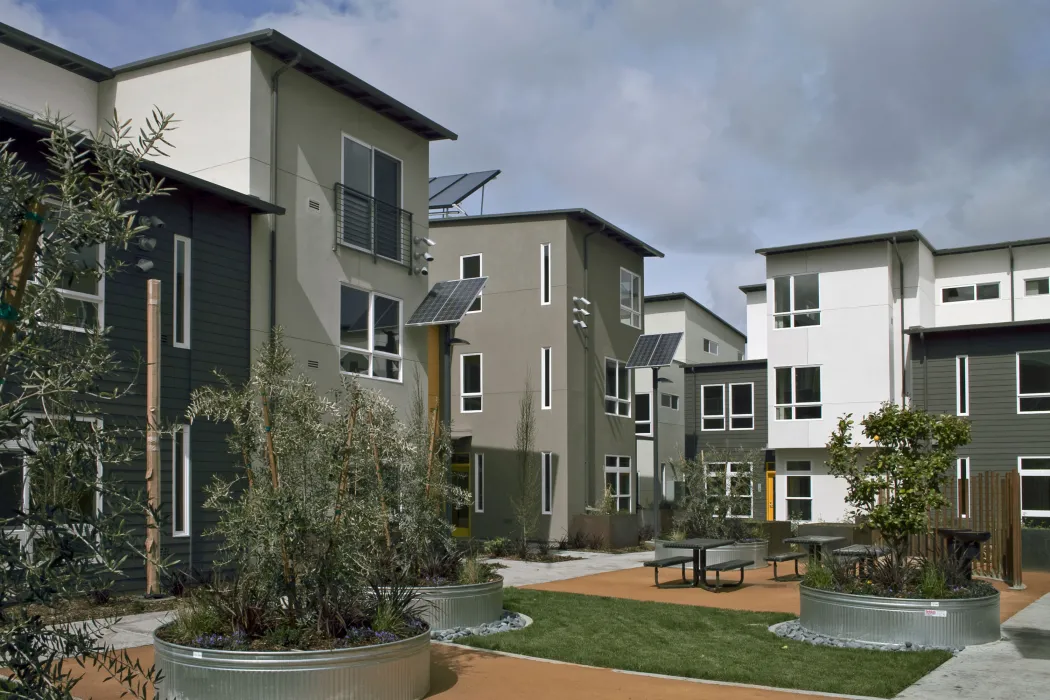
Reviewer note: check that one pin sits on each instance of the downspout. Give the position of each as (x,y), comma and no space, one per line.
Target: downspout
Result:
(900,273)
(588,460)
(273,186)
(1010,250)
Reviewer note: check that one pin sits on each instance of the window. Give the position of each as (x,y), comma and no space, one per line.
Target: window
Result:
(369,334)
(798,393)
(618,481)
(669,401)
(1035,486)
(470,383)
(796,301)
(369,211)
(962,476)
(547,483)
(82,289)
(799,491)
(741,406)
(181,306)
(617,388)
(545,374)
(643,414)
(1037,287)
(737,484)
(470,268)
(962,385)
(630,298)
(710,346)
(970,292)
(545,273)
(479,483)
(712,407)
(1033,382)
(180,482)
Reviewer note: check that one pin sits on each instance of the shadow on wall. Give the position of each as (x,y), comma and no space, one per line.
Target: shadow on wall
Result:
(503,485)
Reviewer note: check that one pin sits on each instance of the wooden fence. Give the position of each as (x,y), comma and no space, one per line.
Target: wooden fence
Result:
(991,503)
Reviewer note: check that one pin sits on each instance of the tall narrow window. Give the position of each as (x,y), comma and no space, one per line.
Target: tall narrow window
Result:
(470,383)
(545,378)
(618,481)
(617,388)
(630,298)
(643,414)
(479,483)
(545,273)
(181,306)
(796,301)
(742,406)
(962,385)
(547,483)
(798,393)
(470,268)
(180,482)
(1033,382)
(962,474)
(713,407)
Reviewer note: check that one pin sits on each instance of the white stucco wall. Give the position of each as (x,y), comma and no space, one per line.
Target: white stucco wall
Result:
(757,326)
(828,492)
(973,268)
(1030,262)
(34,86)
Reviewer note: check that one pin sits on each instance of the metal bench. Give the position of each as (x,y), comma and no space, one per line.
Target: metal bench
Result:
(727,566)
(786,556)
(658,564)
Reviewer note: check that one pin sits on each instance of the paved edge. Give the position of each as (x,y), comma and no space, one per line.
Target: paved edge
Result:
(702,681)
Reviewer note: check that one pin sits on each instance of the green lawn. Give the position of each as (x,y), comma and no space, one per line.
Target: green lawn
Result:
(696,642)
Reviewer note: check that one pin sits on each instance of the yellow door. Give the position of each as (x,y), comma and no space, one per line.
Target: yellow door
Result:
(771,492)
(461,477)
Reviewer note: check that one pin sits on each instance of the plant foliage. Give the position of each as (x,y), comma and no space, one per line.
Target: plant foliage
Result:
(715,504)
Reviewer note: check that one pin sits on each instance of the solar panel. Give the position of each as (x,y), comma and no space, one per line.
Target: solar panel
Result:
(656,350)
(447,302)
(450,190)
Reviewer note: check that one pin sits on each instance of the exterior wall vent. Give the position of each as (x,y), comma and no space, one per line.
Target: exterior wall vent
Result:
(313,204)
(164,339)
(312,364)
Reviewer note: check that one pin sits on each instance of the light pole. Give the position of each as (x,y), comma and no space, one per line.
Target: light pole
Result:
(658,491)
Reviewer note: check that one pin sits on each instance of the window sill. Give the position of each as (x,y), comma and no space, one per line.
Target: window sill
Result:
(375,379)
(180,535)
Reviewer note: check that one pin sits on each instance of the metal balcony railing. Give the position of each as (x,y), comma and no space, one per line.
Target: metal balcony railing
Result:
(365,223)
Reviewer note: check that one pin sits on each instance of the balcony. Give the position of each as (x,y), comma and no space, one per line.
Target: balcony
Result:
(364,223)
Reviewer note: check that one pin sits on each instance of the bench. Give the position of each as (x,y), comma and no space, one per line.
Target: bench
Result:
(786,556)
(727,566)
(658,564)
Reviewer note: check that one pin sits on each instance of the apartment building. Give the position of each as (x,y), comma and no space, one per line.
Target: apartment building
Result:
(558,318)
(707,338)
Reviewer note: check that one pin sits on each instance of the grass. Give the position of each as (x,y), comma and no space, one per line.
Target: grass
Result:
(697,642)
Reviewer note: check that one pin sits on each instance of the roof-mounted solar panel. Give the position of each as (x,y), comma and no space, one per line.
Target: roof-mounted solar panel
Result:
(447,302)
(449,190)
(655,350)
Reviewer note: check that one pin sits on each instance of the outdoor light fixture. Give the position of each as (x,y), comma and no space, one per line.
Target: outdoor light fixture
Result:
(578,322)
(422,271)
(151,222)
(146,243)
(427,241)
(458,341)
(426,256)
(144,265)
(584,312)
(581,300)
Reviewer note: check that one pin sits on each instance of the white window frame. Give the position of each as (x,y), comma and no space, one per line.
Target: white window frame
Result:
(975,285)
(729,473)
(182,435)
(545,274)
(710,346)
(673,401)
(705,416)
(1036,279)
(480,394)
(479,482)
(619,469)
(808,474)
(962,385)
(546,378)
(546,483)
(618,401)
(1031,472)
(733,414)
(634,316)
(181,306)
(792,311)
(99,299)
(481,273)
(962,466)
(795,404)
(1018,381)
(372,354)
(649,399)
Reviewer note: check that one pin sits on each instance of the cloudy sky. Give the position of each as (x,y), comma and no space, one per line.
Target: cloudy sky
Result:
(705,127)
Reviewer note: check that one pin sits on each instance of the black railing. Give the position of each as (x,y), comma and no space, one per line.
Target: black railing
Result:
(365,223)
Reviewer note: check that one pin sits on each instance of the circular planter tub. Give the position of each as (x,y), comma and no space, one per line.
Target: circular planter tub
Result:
(944,623)
(751,551)
(396,671)
(446,607)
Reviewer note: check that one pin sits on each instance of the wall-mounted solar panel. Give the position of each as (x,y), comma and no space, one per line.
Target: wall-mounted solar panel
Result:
(655,350)
(447,302)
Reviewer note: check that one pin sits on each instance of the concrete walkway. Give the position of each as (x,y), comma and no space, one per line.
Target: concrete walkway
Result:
(1012,669)
(527,573)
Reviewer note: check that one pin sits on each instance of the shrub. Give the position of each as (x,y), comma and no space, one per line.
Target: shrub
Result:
(645,533)
(474,570)
(498,547)
(713,500)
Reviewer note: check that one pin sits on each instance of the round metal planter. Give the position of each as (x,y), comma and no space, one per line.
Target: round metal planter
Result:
(446,607)
(396,671)
(943,623)
(750,551)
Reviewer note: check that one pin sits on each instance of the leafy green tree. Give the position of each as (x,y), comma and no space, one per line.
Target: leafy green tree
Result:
(896,483)
(57,544)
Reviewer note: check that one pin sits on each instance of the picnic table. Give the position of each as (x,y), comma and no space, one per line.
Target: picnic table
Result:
(814,542)
(699,545)
(864,554)
(964,546)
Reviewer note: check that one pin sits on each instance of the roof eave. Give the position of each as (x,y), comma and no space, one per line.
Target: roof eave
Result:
(55,55)
(905,236)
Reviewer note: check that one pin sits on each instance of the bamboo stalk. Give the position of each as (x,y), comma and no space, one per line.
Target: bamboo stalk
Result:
(271,457)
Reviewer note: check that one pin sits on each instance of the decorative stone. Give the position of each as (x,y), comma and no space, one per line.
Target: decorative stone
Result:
(794,631)
(509,621)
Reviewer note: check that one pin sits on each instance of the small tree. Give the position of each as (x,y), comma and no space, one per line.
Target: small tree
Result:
(716,503)
(895,484)
(526,504)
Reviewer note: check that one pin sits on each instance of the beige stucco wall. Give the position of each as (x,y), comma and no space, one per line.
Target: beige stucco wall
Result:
(34,86)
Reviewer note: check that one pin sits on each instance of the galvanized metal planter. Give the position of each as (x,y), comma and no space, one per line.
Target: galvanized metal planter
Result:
(445,607)
(396,671)
(752,551)
(944,623)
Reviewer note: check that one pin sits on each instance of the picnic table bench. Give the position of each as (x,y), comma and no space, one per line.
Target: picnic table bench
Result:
(658,564)
(727,566)
(786,556)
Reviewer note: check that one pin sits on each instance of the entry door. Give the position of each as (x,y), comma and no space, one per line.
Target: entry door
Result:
(460,477)
(771,491)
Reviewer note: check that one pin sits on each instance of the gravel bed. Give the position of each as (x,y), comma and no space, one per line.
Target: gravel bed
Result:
(793,630)
(507,622)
